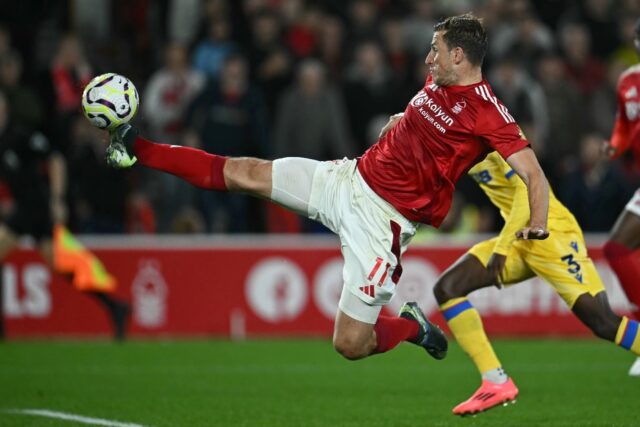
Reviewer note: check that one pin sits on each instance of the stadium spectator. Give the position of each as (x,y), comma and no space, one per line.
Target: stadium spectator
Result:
(364,20)
(565,106)
(229,116)
(24,103)
(599,18)
(69,73)
(418,26)
(524,98)
(311,120)
(601,106)
(271,63)
(593,190)
(210,54)
(369,90)
(332,49)
(168,94)
(582,67)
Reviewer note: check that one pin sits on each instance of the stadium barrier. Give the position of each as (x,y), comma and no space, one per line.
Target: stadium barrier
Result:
(251,286)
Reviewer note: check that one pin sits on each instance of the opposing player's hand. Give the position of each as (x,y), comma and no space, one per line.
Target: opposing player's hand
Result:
(532,233)
(496,268)
(393,120)
(607,149)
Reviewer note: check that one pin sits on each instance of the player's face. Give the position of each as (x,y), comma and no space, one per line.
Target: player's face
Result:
(440,62)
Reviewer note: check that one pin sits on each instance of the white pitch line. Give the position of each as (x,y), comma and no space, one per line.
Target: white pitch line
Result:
(71,417)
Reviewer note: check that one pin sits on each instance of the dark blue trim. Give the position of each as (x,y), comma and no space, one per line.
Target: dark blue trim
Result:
(509,174)
(630,334)
(452,312)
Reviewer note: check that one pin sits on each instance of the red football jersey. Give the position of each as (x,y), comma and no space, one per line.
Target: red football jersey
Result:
(626,132)
(444,132)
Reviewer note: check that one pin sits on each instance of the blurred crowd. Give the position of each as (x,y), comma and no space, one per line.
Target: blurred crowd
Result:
(318,79)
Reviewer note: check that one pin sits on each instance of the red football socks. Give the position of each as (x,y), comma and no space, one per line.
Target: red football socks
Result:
(390,331)
(626,263)
(197,167)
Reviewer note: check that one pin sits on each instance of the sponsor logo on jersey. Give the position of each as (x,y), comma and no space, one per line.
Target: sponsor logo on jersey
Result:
(431,111)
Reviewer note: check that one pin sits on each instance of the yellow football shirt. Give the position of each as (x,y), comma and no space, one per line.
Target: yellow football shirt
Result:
(508,193)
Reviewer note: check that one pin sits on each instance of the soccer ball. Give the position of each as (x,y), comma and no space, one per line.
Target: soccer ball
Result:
(109,100)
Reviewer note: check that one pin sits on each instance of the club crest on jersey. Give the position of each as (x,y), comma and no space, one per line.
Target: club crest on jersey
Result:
(459,106)
(631,93)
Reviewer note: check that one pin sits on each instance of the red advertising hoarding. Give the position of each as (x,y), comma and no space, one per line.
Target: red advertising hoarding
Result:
(255,286)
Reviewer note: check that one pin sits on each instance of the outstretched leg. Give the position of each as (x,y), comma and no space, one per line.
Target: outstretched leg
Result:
(202,169)
(465,276)
(365,332)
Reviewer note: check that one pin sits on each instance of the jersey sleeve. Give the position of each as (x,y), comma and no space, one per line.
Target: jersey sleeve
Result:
(498,130)
(620,135)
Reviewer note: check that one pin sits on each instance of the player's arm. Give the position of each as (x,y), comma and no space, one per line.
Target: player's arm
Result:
(518,218)
(58,187)
(526,165)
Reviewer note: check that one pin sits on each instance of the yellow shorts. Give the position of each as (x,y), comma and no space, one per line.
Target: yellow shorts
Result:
(561,260)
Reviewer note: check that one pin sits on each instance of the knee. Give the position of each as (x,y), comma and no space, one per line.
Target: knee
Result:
(445,290)
(348,347)
(248,175)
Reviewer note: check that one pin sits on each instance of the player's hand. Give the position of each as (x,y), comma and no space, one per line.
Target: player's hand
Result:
(607,149)
(532,233)
(496,267)
(58,210)
(393,120)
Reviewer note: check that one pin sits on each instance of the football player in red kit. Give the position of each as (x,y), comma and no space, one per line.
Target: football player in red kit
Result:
(621,249)
(376,202)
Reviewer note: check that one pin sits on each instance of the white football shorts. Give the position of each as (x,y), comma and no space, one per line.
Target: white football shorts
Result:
(373,234)
(633,205)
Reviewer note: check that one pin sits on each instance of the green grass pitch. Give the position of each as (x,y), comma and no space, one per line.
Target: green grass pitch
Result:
(305,383)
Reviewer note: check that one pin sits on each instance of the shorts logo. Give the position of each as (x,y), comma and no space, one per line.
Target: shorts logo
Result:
(369,290)
(574,246)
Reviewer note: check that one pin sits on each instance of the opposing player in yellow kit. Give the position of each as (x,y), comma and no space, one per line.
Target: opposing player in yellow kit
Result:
(561,260)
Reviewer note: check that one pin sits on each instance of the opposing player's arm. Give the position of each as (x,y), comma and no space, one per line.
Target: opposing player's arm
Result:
(517,220)
(526,165)
(393,120)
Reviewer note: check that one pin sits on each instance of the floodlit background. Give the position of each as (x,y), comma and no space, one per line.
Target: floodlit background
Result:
(257,77)
(274,78)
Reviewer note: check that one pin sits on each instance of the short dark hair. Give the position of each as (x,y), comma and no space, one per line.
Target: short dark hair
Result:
(465,31)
